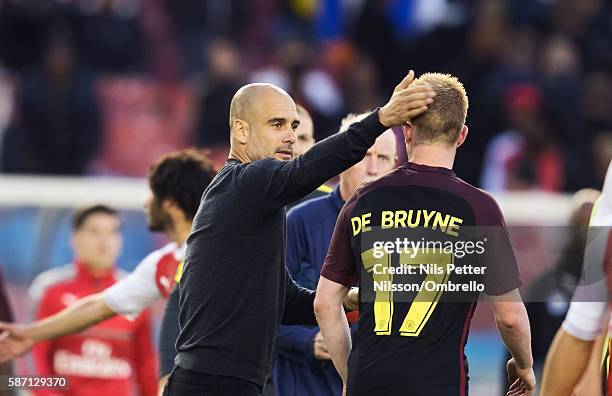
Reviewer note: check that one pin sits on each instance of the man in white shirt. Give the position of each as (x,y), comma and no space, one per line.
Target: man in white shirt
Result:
(177,182)
(589,311)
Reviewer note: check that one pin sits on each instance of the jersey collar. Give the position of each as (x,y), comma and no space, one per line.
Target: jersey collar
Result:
(84,273)
(427,168)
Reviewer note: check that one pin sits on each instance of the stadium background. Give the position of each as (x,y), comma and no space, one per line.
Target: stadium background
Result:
(92,91)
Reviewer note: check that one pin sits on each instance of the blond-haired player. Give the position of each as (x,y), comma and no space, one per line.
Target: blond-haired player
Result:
(412,343)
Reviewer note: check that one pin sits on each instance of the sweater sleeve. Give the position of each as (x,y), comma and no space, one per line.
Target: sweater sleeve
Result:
(299,304)
(267,185)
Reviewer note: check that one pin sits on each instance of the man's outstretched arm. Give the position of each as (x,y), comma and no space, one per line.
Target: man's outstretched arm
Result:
(332,321)
(17,339)
(513,325)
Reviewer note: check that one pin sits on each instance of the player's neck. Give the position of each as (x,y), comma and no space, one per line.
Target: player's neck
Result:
(92,270)
(180,231)
(346,189)
(432,155)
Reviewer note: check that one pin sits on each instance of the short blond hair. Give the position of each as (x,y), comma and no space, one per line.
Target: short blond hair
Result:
(446,116)
(352,118)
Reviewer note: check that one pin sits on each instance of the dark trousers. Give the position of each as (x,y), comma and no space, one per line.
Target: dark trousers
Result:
(183,382)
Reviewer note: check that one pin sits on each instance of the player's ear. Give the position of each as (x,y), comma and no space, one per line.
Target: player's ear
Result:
(168,204)
(462,136)
(240,130)
(407,129)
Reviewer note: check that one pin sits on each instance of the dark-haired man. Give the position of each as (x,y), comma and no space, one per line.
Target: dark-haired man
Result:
(176,183)
(110,357)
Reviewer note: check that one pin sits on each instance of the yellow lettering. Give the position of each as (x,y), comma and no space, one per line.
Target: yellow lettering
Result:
(400,218)
(427,215)
(365,221)
(386,220)
(415,223)
(356,223)
(453,226)
(438,222)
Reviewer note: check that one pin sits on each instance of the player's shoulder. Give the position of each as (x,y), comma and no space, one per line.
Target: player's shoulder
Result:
(51,279)
(481,197)
(168,248)
(482,202)
(485,201)
(153,258)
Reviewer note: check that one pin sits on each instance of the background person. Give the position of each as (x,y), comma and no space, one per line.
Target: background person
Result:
(176,181)
(110,357)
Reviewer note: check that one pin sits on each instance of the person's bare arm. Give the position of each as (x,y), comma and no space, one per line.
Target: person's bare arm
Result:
(513,325)
(590,383)
(332,321)
(17,339)
(569,353)
(565,363)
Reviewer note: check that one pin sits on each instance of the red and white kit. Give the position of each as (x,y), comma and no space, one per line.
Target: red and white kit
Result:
(115,357)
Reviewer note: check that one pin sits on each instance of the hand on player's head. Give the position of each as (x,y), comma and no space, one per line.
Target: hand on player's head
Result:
(14,342)
(406,102)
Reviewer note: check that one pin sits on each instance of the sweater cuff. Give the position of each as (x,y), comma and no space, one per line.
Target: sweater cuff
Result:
(367,130)
(372,122)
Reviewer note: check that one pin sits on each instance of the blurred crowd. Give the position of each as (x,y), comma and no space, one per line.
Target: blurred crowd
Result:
(538,74)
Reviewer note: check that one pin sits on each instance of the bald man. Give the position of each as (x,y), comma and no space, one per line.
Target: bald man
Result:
(235,290)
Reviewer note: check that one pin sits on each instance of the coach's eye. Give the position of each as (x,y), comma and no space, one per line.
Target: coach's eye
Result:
(276,125)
